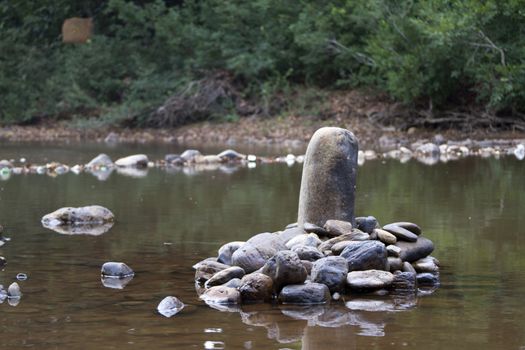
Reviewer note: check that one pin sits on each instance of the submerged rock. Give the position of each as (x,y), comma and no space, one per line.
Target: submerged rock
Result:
(310,293)
(170,306)
(404,282)
(331,271)
(136,160)
(116,270)
(329,177)
(365,255)
(93,214)
(385,236)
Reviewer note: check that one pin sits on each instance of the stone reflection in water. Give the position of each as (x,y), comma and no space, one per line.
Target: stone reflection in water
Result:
(86,229)
(102,174)
(115,283)
(133,172)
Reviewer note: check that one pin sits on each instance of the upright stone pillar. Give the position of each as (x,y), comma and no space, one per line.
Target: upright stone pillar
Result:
(329,177)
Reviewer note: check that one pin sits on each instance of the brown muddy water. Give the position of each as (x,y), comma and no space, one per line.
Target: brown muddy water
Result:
(472,209)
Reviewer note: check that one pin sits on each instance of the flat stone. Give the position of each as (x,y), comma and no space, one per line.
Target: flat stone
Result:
(385,236)
(102,160)
(92,214)
(337,227)
(312,228)
(224,276)
(226,251)
(230,155)
(170,306)
(356,235)
(329,177)
(307,252)
(310,239)
(410,226)
(207,268)
(395,263)
(136,160)
(339,247)
(310,293)
(331,271)
(400,233)
(116,270)
(366,223)
(369,279)
(412,251)
(285,268)
(290,233)
(221,295)
(190,154)
(365,255)
(427,264)
(393,250)
(256,287)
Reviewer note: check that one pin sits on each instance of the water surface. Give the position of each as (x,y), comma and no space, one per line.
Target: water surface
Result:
(471,209)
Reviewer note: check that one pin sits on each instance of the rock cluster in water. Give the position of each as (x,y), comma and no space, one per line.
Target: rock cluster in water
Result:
(327,252)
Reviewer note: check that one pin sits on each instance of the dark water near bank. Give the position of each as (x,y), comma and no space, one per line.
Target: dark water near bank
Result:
(472,210)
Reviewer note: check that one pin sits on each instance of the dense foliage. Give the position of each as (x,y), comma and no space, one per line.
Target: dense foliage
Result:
(437,54)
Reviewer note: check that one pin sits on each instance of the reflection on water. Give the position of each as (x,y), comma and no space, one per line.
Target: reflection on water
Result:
(165,222)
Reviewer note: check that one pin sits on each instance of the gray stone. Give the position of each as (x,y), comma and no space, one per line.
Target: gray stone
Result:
(412,251)
(428,149)
(366,223)
(102,160)
(136,161)
(404,282)
(230,155)
(207,159)
(13,291)
(407,267)
(410,226)
(310,239)
(307,252)
(393,250)
(395,264)
(365,255)
(427,279)
(307,265)
(207,268)
(224,276)
(310,293)
(205,261)
(339,247)
(369,279)
(221,295)
(336,228)
(170,306)
(189,155)
(227,250)
(428,264)
(290,233)
(116,270)
(385,236)
(311,228)
(401,233)
(93,214)
(173,159)
(331,271)
(356,235)
(233,283)
(285,268)
(329,177)
(253,254)
(256,287)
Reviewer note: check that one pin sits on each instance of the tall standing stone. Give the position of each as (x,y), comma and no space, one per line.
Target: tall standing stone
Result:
(329,177)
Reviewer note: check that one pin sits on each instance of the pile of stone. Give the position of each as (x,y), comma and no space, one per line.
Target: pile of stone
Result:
(328,252)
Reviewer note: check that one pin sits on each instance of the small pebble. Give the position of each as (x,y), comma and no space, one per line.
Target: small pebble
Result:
(21,276)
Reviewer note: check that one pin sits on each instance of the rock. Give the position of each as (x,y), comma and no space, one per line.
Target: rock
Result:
(407,267)
(189,155)
(230,155)
(311,228)
(5,164)
(366,224)
(414,228)
(412,251)
(204,262)
(370,279)
(13,291)
(233,283)
(427,264)
(136,160)
(116,270)
(290,233)
(307,265)
(285,268)
(115,283)
(365,255)
(427,279)
(385,236)
(329,177)
(401,233)
(356,235)
(224,276)
(307,252)
(93,214)
(404,282)
(227,250)
(310,293)
(310,239)
(336,228)
(395,264)
(253,254)
(339,247)
(170,306)
(221,295)
(206,269)
(173,159)
(393,250)
(331,271)
(256,287)
(3,261)
(428,149)
(207,159)
(292,225)
(102,160)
